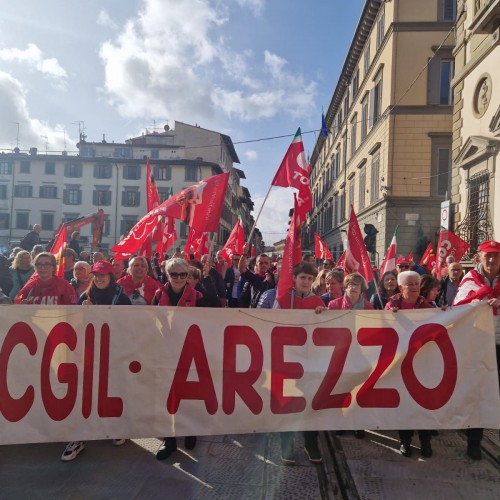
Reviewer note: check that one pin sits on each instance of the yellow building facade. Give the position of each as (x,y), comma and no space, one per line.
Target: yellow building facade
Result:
(389,121)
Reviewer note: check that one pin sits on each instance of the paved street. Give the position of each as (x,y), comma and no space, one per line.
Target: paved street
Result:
(249,467)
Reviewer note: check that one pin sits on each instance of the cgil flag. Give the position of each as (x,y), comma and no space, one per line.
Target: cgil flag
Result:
(357,260)
(199,206)
(389,263)
(196,243)
(448,244)
(235,242)
(321,251)
(428,259)
(169,236)
(294,172)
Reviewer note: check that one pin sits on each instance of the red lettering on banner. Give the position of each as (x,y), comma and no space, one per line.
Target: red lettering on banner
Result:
(107,406)
(13,409)
(67,373)
(368,396)
(193,350)
(241,383)
(340,339)
(436,397)
(281,370)
(88,371)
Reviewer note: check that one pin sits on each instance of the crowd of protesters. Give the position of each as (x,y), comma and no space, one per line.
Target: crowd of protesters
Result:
(29,276)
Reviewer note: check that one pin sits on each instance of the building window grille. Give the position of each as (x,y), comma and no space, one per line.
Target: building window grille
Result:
(476,226)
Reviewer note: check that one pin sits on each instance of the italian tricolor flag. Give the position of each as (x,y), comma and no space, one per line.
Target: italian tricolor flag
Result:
(389,263)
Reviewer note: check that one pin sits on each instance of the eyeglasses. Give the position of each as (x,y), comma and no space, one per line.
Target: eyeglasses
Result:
(403,266)
(176,276)
(236,259)
(43,264)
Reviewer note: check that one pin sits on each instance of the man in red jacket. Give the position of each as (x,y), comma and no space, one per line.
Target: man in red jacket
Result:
(483,283)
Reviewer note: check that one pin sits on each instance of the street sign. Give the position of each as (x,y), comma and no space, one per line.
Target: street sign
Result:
(445,214)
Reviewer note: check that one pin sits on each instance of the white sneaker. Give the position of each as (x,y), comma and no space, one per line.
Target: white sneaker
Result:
(72,450)
(118,442)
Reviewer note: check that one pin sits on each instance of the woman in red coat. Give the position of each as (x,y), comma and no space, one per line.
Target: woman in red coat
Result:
(137,284)
(44,287)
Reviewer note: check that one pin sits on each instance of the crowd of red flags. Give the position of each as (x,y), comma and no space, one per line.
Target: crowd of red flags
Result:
(200,207)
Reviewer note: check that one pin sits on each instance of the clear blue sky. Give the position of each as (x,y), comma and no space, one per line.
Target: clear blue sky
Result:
(253,69)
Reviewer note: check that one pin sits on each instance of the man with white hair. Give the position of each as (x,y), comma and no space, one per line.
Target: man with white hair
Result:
(483,283)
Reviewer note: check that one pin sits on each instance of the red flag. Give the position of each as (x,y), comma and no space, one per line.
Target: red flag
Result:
(196,243)
(294,172)
(429,258)
(341,261)
(449,244)
(153,198)
(410,257)
(304,201)
(234,243)
(121,256)
(321,251)
(58,249)
(389,263)
(357,259)
(292,255)
(199,206)
(169,236)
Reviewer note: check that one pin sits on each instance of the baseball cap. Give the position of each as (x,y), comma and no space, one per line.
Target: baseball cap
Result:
(489,246)
(403,261)
(102,267)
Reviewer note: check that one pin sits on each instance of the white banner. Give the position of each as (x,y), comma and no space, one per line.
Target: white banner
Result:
(95,372)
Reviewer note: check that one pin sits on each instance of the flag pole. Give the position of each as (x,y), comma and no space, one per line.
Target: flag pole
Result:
(258,215)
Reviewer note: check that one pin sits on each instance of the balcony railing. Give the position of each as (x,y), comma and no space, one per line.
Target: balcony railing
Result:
(486,16)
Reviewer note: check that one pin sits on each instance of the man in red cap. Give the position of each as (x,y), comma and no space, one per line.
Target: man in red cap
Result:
(402,264)
(483,283)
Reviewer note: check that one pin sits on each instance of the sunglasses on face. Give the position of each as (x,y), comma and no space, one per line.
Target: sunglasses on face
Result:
(175,276)
(403,266)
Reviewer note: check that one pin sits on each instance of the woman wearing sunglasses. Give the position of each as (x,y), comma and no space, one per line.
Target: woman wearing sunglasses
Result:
(176,292)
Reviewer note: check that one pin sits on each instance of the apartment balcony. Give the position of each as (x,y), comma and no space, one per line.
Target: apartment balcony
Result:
(486,16)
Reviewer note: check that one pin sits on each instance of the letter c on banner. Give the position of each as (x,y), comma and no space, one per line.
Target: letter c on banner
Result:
(437,397)
(15,409)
